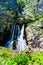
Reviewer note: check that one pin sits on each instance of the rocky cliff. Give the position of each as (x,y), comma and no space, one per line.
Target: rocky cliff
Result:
(34,35)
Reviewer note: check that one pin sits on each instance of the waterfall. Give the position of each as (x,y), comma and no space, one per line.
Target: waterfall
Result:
(21,44)
(9,43)
(19,31)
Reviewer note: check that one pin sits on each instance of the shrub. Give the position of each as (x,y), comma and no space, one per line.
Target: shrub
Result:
(26,58)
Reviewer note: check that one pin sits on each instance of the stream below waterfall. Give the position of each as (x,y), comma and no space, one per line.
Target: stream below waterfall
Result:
(17,32)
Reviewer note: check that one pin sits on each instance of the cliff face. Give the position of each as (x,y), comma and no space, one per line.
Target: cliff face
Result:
(34,35)
(4,30)
(5,19)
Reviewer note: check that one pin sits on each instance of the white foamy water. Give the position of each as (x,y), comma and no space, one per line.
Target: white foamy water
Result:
(21,44)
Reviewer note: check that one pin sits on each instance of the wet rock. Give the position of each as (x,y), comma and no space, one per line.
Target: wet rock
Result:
(14,44)
(27,37)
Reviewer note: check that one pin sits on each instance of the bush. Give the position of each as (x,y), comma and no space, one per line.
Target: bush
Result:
(26,58)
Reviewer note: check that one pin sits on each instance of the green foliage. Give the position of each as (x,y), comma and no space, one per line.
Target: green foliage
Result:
(37,58)
(26,58)
(22,1)
(5,52)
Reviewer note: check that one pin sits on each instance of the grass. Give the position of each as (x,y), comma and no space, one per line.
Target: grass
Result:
(26,58)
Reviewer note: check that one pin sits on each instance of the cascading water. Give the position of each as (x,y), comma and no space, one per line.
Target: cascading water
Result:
(9,44)
(19,31)
(21,44)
